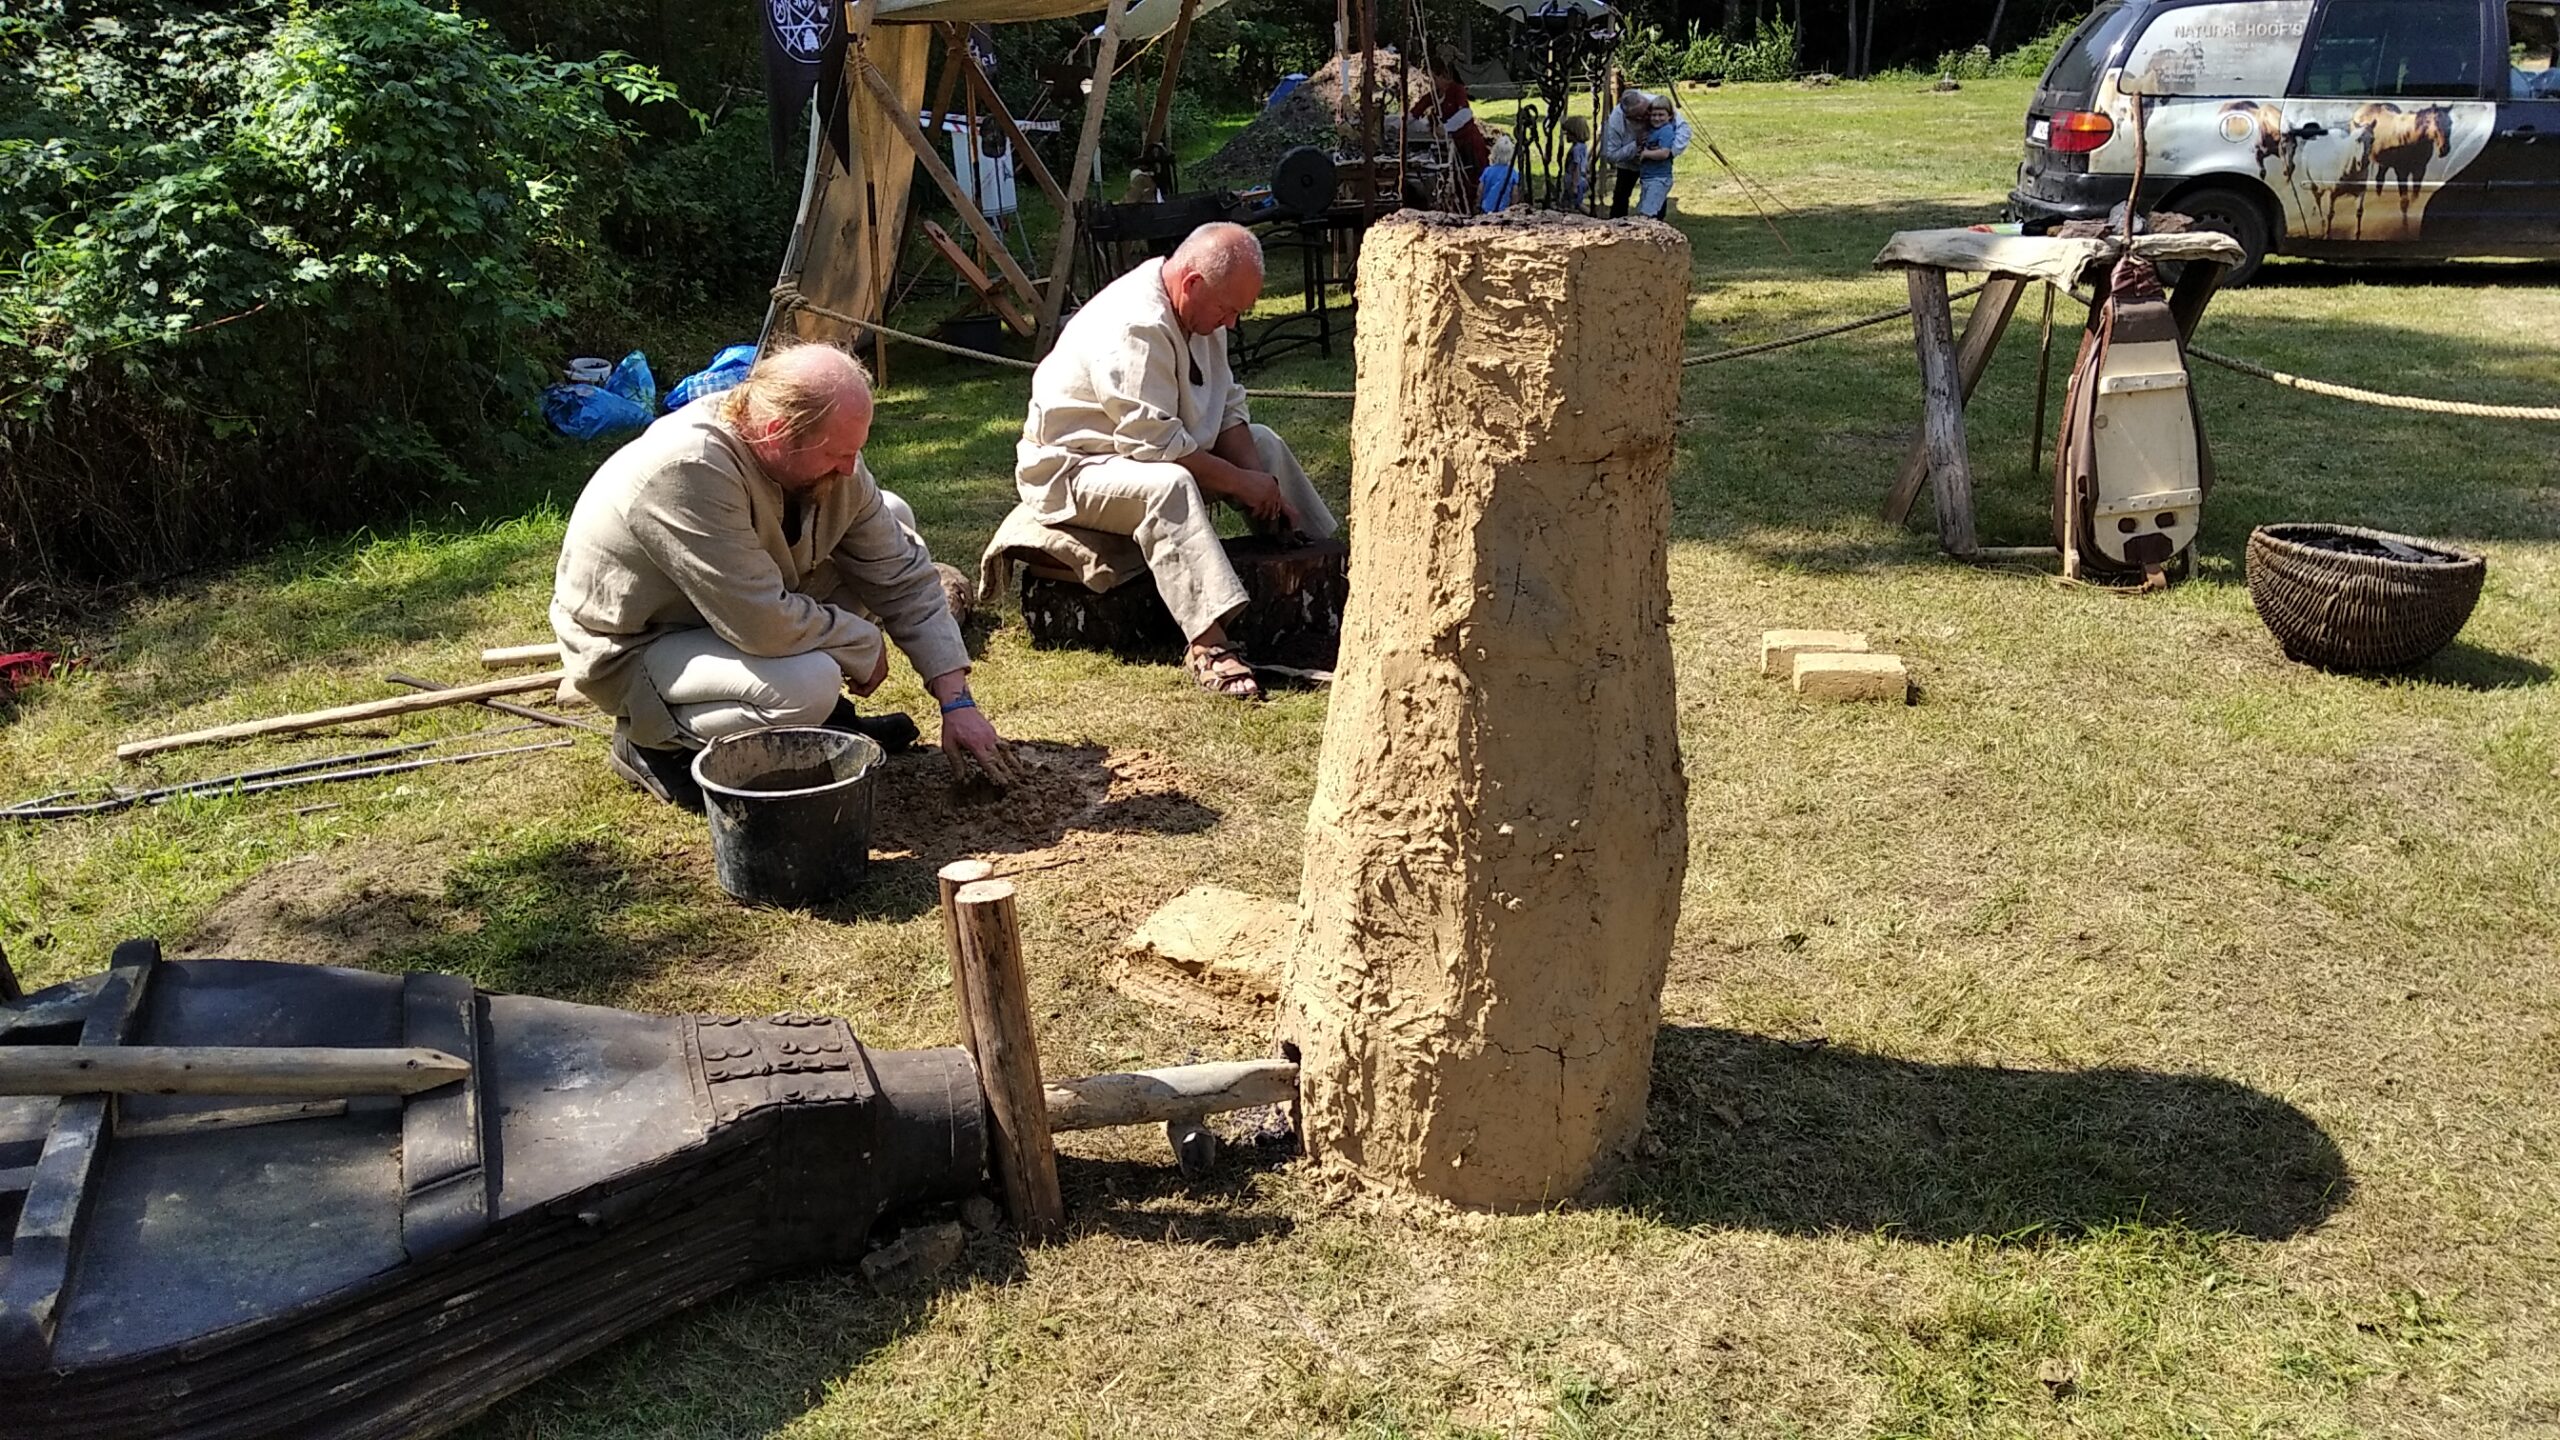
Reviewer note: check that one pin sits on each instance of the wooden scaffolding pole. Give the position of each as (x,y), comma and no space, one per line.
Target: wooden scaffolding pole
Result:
(894,112)
(1062,268)
(1172,74)
(1024,157)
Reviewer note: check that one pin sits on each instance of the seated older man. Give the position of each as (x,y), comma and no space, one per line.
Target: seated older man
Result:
(734,568)
(1137,422)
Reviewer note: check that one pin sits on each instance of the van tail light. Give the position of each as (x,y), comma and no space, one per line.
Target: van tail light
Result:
(2077,132)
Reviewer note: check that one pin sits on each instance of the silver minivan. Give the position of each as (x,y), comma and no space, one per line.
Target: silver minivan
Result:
(2351,129)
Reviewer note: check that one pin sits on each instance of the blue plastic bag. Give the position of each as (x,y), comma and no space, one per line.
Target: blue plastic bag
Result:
(724,372)
(584,412)
(632,381)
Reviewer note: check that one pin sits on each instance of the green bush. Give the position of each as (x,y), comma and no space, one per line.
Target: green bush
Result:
(275,262)
(2031,60)
(704,220)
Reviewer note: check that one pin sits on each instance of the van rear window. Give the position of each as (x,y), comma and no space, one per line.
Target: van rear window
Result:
(2245,48)
(2077,65)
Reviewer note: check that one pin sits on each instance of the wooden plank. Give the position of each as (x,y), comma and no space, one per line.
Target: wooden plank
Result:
(343,714)
(444,1187)
(1172,73)
(1178,1092)
(1942,408)
(1983,330)
(229,1117)
(1062,268)
(46,1248)
(1024,157)
(903,124)
(314,1072)
(988,294)
(990,962)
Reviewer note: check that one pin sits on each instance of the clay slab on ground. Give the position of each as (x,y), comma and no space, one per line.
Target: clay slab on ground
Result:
(1779,648)
(1877,678)
(1210,952)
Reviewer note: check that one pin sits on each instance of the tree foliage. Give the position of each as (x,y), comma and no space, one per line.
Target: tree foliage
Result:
(260,243)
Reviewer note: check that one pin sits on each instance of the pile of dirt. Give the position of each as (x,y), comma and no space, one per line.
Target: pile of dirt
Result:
(1071,798)
(1306,117)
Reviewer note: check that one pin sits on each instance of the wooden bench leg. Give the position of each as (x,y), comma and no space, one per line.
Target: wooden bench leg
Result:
(1982,331)
(1942,401)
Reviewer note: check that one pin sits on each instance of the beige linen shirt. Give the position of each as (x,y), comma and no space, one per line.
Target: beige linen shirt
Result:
(681,529)
(1123,382)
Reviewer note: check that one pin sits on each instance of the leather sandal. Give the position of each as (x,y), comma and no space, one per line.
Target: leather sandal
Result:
(1219,670)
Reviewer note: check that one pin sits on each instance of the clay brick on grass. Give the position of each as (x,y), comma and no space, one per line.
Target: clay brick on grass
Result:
(1779,648)
(1853,677)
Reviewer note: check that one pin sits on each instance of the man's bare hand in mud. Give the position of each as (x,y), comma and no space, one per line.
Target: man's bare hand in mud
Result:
(969,740)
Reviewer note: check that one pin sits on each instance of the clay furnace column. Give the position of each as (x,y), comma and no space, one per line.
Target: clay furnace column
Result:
(1495,850)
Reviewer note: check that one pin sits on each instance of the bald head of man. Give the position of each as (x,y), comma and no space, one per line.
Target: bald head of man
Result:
(1214,277)
(1635,103)
(804,413)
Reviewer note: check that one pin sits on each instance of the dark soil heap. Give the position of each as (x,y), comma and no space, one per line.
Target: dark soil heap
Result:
(1307,117)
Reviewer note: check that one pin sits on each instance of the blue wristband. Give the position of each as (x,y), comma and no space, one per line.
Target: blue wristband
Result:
(963,703)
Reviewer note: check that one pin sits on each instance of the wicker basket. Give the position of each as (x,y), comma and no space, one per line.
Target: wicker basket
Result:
(2345,598)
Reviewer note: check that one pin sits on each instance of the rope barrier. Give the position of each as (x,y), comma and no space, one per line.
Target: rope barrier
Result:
(1765,346)
(2376,397)
(792,299)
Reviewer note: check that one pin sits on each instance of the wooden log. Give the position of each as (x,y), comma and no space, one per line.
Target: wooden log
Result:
(1942,408)
(311,1071)
(1062,269)
(990,961)
(1177,1092)
(508,657)
(1292,614)
(951,878)
(1982,332)
(902,123)
(343,714)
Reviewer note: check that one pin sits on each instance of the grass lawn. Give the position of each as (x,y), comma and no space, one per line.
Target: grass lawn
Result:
(2140,1036)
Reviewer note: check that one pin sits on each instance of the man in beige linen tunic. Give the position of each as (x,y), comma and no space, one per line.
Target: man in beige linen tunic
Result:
(736,566)
(1137,421)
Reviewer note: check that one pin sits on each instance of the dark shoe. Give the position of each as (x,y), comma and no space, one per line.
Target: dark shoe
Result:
(893,729)
(666,775)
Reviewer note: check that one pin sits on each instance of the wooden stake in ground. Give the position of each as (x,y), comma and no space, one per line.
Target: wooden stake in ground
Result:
(988,957)
(952,877)
(344,714)
(1495,848)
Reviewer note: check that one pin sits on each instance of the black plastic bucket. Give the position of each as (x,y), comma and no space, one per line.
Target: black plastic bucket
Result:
(790,812)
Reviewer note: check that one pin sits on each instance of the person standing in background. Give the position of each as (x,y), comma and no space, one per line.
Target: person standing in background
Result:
(1621,136)
(1575,192)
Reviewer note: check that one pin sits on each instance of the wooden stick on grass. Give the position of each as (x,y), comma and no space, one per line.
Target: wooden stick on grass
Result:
(342,715)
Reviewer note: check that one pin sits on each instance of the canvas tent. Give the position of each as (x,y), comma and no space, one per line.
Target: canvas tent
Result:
(843,249)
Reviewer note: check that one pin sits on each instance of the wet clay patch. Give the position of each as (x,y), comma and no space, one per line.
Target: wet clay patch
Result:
(1071,799)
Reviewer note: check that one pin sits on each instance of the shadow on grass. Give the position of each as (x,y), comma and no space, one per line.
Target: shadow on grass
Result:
(566,917)
(2465,666)
(1764,1134)
(1155,1203)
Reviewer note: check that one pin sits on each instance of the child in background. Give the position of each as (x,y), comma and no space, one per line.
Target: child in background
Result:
(1653,168)
(1501,181)
(1577,162)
